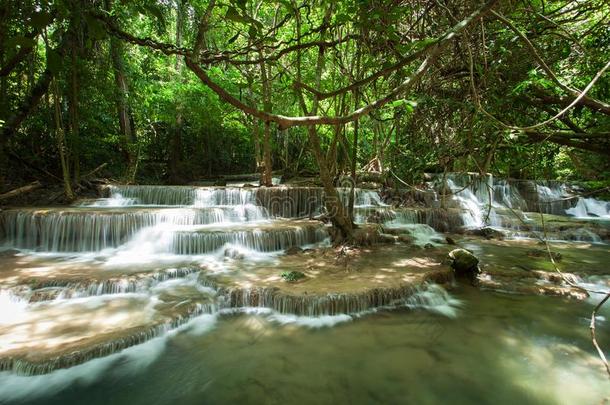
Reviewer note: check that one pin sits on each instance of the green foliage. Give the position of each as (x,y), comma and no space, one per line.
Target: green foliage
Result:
(439,126)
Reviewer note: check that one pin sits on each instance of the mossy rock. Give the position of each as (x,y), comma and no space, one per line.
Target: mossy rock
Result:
(292,276)
(464,263)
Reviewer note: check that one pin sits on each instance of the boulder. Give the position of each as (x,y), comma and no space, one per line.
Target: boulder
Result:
(464,264)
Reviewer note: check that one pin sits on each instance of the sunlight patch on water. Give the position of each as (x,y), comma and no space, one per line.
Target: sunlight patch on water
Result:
(556,372)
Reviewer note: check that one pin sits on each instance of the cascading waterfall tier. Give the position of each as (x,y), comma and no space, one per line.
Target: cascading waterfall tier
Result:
(208,250)
(513,205)
(85,230)
(262,238)
(108,315)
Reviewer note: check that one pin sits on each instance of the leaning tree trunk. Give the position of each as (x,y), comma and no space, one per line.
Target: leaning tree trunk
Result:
(334,206)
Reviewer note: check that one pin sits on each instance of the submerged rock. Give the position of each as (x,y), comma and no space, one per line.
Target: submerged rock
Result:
(464,264)
(543,253)
(234,254)
(294,250)
(9,253)
(405,238)
(488,233)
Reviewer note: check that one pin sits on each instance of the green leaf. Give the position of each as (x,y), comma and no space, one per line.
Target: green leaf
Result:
(409,105)
(155,12)
(233,15)
(233,39)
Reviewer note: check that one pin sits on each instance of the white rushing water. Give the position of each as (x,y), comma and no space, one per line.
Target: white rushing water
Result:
(590,207)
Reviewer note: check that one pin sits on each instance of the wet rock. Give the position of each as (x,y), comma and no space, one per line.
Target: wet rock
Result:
(234,254)
(543,253)
(295,250)
(292,276)
(556,278)
(366,235)
(375,218)
(464,263)
(488,233)
(450,240)
(428,246)
(9,253)
(221,183)
(386,238)
(405,238)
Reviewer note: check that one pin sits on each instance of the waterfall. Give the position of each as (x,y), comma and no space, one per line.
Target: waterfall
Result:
(590,207)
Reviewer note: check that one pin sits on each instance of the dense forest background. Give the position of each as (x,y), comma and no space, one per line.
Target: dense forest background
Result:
(142,87)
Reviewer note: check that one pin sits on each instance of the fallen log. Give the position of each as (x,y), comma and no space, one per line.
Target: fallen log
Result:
(97,169)
(21,190)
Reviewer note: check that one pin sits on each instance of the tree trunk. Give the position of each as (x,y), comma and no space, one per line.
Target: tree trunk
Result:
(122,102)
(266,178)
(333,203)
(73,111)
(61,144)
(15,119)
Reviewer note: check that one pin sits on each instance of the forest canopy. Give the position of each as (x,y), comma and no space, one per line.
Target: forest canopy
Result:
(176,91)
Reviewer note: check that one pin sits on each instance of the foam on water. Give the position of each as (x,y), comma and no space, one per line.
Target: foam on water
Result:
(313,322)
(12,308)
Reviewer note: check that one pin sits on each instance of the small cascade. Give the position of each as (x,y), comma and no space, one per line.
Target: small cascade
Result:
(178,196)
(472,206)
(506,195)
(291,202)
(259,239)
(434,298)
(553,198)
(318,305)
(68,289)
(362,198)
(590,207)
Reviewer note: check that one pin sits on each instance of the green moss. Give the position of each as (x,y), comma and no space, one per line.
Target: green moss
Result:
(292,276)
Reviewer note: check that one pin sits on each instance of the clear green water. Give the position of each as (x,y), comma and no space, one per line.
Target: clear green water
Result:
(500,349)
